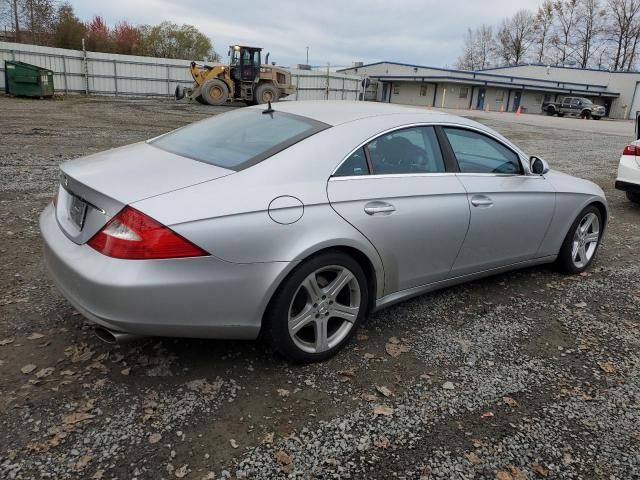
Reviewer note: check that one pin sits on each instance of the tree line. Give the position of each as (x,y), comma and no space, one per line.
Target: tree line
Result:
(600,34)
(45,22)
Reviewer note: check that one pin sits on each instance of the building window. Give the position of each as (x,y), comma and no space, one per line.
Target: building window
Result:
(500,96)
(423,90)
(464,91)
(396,89)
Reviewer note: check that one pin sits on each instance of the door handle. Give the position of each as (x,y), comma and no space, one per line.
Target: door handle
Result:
(481,201)
(379,208)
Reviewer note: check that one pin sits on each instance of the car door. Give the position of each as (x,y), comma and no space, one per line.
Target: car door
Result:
(397,191)
(575,106)
(510,209)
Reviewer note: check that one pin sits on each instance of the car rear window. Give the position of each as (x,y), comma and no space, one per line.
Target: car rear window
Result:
(239,139)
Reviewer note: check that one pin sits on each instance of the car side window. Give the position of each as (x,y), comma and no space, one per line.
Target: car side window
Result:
(355,164)
(478,153)
(410,150)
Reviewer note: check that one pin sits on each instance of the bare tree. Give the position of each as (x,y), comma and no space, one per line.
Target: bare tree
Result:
(623,29)
(477,49)
(485,45)
(543,24)
(13,11)
(589,24)
(515,37)
(467,61)
(39,19)
(631,54)
(566,12)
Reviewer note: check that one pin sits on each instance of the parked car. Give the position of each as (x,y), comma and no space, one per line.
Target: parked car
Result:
(628,179)
(294,223)
(577,106)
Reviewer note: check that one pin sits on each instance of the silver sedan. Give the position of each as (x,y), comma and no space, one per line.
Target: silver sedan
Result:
(293,224)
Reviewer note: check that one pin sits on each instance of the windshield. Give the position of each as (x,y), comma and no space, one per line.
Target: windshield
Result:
(239,139)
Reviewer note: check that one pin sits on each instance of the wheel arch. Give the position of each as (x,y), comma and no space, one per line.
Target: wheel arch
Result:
(374,281)
(604,213)
(602,208)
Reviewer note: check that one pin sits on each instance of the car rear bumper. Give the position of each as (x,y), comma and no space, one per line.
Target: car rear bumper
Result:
(628,178)
(627,187)
(192,297)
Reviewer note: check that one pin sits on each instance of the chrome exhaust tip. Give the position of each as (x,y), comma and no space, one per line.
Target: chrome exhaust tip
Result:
(113,337)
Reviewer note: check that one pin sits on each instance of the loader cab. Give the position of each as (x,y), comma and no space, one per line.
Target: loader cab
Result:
(245,63)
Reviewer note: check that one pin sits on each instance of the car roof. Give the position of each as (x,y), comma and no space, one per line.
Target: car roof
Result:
(336,112)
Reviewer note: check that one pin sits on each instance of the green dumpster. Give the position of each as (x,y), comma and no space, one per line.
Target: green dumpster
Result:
(27,80)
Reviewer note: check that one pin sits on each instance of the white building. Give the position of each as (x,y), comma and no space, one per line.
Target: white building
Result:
(501,89)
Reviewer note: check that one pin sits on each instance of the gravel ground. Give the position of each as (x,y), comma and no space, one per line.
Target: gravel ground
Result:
(530,374)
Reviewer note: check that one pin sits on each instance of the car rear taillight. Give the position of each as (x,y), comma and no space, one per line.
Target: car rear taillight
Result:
(132,235)
(632,150)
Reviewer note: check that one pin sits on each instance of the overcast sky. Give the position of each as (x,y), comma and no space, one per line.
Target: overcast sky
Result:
(425,32)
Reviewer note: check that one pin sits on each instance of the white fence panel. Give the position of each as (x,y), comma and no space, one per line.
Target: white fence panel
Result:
(318,85)
(113,74)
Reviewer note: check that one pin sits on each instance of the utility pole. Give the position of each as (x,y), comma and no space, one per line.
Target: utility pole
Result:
(307,56)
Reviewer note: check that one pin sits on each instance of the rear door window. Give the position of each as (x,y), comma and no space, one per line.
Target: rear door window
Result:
(478,153)
(410,150)
(240,139)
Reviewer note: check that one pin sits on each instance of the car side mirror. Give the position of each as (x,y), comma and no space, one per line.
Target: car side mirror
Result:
(538,166)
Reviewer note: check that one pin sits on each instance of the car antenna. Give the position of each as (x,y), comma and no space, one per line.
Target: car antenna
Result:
(269,110)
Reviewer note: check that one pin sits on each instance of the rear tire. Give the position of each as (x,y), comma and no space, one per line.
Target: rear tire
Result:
(582,241)
(200,100)
(633,197)
(215,92)
(317,308)
(266,92)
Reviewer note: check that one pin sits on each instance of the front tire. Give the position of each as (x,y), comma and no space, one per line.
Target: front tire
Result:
(266,93)
(582,241)
(317,308)
(215,92)
(586,115)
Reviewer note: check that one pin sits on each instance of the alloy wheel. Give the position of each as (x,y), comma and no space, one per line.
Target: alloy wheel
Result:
(324,309)
(585,240)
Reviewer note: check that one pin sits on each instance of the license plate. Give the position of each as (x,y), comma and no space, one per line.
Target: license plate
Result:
(78,211)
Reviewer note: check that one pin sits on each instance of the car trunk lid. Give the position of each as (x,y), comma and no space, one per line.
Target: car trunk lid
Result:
(95,188)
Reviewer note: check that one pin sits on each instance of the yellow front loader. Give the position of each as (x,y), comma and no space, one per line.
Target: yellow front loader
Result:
(244,79)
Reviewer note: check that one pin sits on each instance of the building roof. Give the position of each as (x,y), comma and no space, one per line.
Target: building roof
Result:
(482,78)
